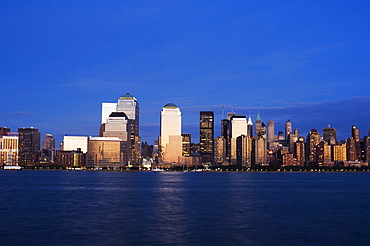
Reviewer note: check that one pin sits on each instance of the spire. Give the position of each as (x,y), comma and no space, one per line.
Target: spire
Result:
(250,121)
(258,117)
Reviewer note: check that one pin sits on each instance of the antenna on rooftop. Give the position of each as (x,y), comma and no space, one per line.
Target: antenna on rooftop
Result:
(223,111)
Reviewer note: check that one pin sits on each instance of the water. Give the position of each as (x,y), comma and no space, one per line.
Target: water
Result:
(167,208)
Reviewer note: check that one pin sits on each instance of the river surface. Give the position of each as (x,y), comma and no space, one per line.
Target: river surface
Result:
(175,208)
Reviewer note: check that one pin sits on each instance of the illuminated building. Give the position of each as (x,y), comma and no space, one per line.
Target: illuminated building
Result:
(107,152)
(258,125)
(170,139)
(288,129)
(9,152)
(73,143)
(29,145)
(249,127)
(186,144)
(271,137)
(330,135)
(339,152)
(220,151)
(313,139)
(206,136)
(238,127)
(130,106)
(299,151)
(117,125)
(244,151)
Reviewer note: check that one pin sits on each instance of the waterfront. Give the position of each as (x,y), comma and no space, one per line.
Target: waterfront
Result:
(143,208)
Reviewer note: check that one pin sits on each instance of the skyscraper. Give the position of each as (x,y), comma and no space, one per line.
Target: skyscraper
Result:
(130,106)
(170,139)
(206,136)
(29,145)
(330,135)
(313,139)
(238,127)
(288,129)
(48,148)
(258,125)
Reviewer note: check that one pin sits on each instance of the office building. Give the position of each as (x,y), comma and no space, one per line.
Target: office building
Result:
(74,143)
(186,144)
(29,145)
(9,152)
(130,106)
(206,136)
(238,128)
(313,139)
(170,139)
(107,152)
(48,148)
(288,128)
(330,135)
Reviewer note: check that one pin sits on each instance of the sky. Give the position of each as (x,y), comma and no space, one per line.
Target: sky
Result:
(307,61)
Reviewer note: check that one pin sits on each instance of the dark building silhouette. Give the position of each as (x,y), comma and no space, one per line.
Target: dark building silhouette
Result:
(226,134)
(29,145)
(206,136)
(146,150)
(4,131)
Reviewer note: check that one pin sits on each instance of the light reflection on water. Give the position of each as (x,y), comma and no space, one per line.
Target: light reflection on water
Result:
(108,208)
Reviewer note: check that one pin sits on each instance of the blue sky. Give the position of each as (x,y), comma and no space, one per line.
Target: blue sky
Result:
(307,61)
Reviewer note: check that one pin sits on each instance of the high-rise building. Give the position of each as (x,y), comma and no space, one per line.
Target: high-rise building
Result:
(117,125)
(244,151)
(330,135)
(206,136)
(356,137)
(288,129)
(258,125)
(339,153)
(186,144)
(130,106)
(238,127)
(249,127)
(48,148)
(313,139)
(271,137)
(170,139)
(220,151)
(226,134)
(29,145)
(299,152)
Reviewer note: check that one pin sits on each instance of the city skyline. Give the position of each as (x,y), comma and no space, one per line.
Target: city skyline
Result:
(304,61)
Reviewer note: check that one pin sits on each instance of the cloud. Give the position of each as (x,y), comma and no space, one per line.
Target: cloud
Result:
(17,113)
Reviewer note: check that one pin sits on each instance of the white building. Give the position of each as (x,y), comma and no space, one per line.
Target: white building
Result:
(238,128)
(71,143)
(170,139)
(107,109)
